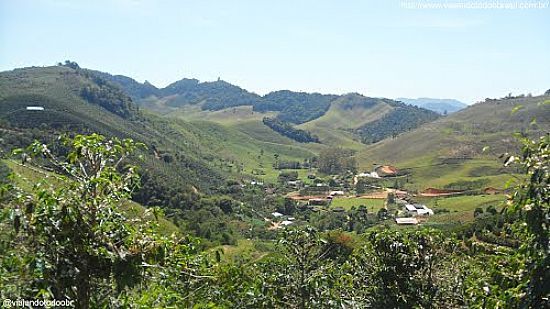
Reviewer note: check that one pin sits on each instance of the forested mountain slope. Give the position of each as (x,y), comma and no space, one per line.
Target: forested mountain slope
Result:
(344,120)
(75,101)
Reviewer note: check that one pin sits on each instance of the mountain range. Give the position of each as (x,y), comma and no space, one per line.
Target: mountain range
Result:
(201,134)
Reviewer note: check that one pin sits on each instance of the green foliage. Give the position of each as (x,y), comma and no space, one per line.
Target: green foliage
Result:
(531,201)
(336,161)
(131,87)
(215,95)
(467,184)
(287,176)
(77,242)
(286,129)
(405,270)
(112,99)
(401,119)
(295,107)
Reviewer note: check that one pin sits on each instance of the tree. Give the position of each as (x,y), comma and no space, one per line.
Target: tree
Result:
(518,276)
(391,198)
(532,204)
(404,267)
(336,161)
(73,225)
(478,211)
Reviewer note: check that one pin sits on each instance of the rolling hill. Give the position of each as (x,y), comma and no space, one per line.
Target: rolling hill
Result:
(75,101)
(352,119)
(182,156)
(464,146)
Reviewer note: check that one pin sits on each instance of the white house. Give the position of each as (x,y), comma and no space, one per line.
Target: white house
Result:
(334,193)
(370,175)
(276,214)
(419,210)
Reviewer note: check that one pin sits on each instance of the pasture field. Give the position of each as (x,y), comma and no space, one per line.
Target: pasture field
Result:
(373,205)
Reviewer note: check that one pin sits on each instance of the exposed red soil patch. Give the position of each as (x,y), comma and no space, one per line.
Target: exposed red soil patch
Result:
(431,192)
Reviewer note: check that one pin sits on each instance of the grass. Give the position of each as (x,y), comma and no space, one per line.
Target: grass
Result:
(240,149)
(246,250)
(432,172)
(463,134)
(461,208)
(334,127)
(373,205)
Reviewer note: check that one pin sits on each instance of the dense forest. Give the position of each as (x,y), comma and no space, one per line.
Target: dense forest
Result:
(402,119)
(286,129)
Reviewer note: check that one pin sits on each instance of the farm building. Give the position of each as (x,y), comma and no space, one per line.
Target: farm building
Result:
(418,210)
(334,193)
(369,175)
(386,171)
(294,183)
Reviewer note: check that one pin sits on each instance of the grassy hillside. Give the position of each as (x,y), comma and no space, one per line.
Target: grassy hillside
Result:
(452,148)
(346,114)
(339,120)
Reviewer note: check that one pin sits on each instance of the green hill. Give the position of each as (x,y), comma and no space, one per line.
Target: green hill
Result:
(464,146)
(73,101)
(352,119)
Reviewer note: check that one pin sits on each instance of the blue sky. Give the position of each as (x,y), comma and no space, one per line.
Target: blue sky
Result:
(376,48)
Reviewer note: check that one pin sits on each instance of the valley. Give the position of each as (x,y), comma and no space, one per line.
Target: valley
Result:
(236,170)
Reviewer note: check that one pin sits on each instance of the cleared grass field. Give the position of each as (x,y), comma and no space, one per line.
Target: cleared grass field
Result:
(373,205)
(256,157)
(461,208)
(245,250)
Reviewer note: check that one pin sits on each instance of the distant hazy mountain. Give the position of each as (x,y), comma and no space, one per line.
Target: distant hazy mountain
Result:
(436,105)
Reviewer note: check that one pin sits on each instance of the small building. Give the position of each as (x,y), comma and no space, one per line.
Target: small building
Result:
(276,214)
(418,210)
(334,193)
(294,183)
(406,221)
(386,171)
(410,207)
(369,175)
(286,222)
